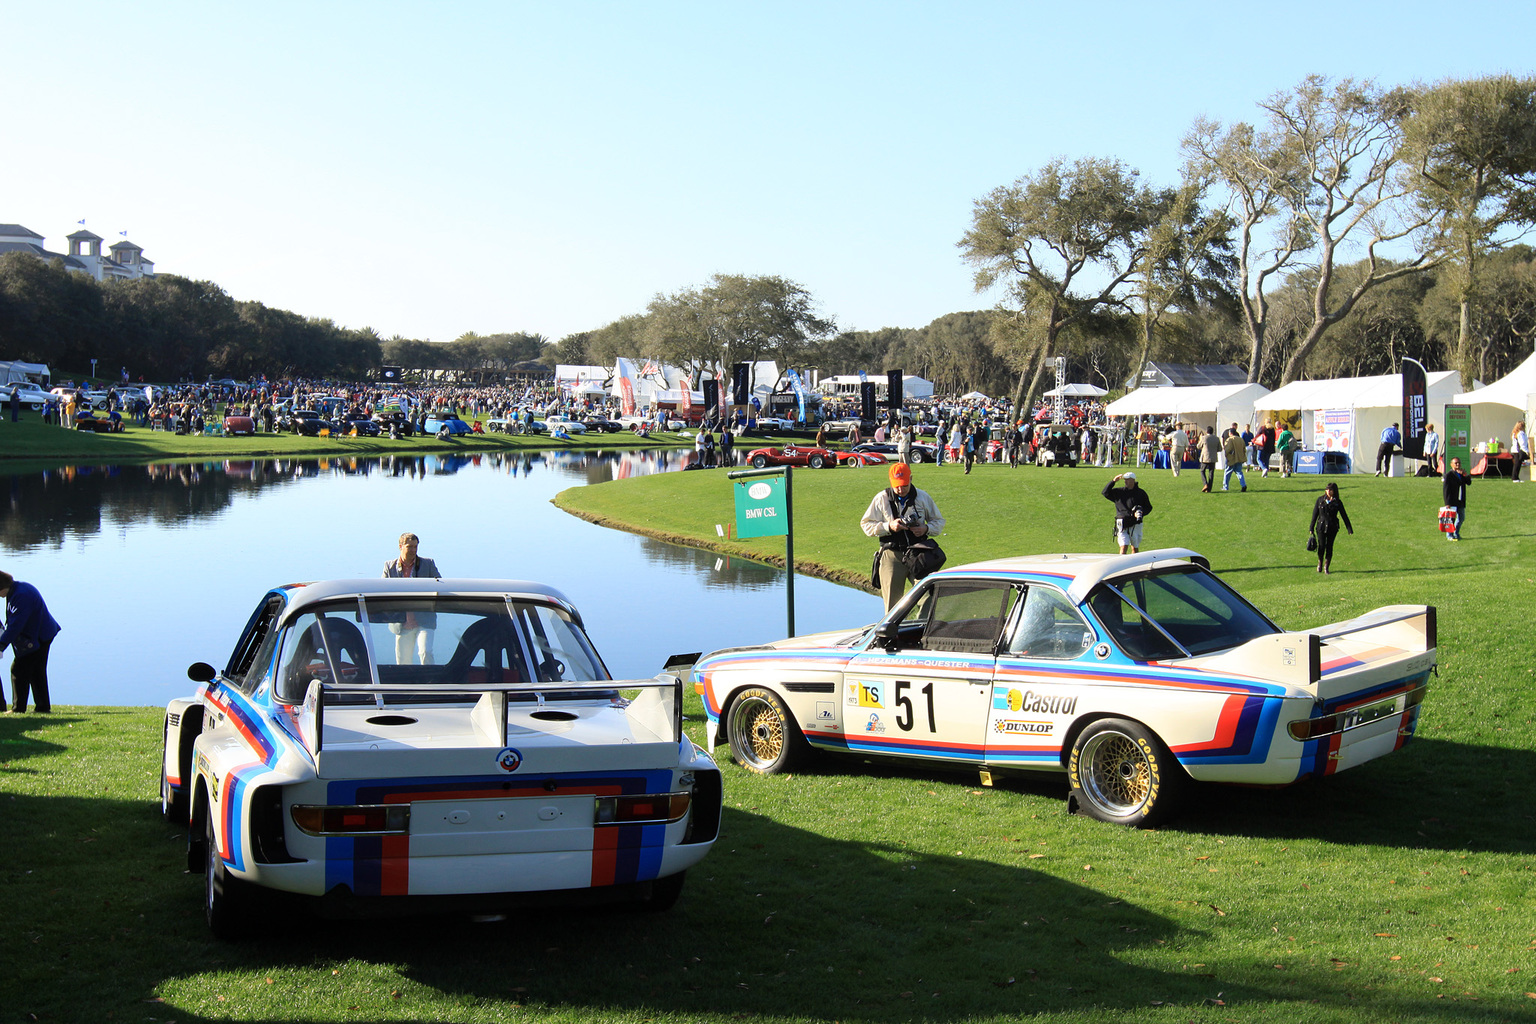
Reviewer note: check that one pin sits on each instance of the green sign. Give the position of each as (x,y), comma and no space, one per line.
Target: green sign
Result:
(1458,435)
(760,508)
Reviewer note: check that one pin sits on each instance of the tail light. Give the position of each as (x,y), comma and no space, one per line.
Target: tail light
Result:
(635,810)
(353,819)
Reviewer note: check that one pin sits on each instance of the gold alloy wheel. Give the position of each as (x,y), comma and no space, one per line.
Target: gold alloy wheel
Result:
(763,736)
(1116,775)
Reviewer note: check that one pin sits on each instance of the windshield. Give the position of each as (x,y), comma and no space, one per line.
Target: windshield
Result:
(434,641)
(1198,614)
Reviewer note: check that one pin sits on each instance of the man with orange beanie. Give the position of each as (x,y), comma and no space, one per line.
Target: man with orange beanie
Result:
(898,516)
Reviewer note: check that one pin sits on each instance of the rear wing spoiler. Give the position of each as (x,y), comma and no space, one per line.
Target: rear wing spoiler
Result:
(660,703)
(1295,659)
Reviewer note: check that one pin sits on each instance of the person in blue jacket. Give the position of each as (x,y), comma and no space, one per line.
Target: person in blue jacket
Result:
(29,632)
(1391,440)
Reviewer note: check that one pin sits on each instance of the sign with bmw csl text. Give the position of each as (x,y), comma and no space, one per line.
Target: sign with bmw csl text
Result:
(760,508)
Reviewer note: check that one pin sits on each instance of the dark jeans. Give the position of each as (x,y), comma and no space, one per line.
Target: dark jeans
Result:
(29,673)
(1208,474)
(1516,460)
(1384,455)
(1325,538)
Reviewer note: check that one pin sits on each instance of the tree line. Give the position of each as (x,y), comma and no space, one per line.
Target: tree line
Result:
(1347,226)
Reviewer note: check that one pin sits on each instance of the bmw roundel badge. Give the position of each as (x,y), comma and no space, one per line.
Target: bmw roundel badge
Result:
(509,759)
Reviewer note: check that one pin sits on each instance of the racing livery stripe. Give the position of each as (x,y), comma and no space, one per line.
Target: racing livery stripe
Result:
(380,865)
(231,813)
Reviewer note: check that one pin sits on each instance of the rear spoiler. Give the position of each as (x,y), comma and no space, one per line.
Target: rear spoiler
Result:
(490,712)
(1295,659)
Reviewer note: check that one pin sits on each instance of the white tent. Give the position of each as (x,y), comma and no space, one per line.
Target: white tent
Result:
(1374,403)
(974,396)
(1496,407)
(1076,391)
(1210,405)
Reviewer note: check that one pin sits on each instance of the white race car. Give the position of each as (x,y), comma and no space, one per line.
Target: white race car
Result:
(413,743)
(1133,674)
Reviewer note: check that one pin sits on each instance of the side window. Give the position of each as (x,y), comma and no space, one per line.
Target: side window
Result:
(1137,637)
(967,616)
(1049,627)
(244,666)
(318,645)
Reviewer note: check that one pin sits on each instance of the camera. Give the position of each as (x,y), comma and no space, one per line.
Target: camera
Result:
(913,516)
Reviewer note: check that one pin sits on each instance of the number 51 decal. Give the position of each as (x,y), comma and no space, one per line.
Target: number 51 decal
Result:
(904,704)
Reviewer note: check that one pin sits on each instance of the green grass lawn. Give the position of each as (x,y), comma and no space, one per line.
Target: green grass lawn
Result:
(1399,891)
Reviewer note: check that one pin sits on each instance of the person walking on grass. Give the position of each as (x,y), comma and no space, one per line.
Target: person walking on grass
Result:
(29,633)
(1132,506)
(1210,451)
(1519,449)
(1286,445)
(1324,527)
(1236,452)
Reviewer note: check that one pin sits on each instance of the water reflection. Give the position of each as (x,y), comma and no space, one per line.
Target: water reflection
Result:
(151,567)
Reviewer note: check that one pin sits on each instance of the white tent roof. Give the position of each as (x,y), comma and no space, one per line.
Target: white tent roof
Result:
(1207,398)
(1383,392)
(1512,389)
(1076,391)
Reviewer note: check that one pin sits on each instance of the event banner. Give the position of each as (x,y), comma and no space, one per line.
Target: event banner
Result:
(1415,408)
(1333,430)
(1458,435)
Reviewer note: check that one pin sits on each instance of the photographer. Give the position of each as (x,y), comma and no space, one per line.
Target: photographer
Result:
(899,516)
(1132,506)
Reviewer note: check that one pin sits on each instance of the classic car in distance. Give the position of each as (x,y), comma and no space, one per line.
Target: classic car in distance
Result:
(238,425)
(445,423)
(920,452)
(1133,674)
(811,456)
(403,745)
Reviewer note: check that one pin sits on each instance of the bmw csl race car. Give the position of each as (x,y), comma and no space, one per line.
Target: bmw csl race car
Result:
(810,456)
(1133,674)
(400,744)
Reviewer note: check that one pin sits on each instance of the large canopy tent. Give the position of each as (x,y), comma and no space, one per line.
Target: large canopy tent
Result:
(1373,403)
(1211,405)
(1497,407)
(1077,391)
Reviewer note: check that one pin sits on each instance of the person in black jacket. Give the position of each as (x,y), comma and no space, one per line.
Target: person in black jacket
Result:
(1325,525)
(1132,505)
(1453,489)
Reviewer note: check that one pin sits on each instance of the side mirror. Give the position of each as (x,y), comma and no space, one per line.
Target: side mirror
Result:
(201,672)
(887,634)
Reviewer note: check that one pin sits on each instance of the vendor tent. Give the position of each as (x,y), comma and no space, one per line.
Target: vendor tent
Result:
(974,396)
(1497,407)
(1076,391)
(1373,402)
(1212,405)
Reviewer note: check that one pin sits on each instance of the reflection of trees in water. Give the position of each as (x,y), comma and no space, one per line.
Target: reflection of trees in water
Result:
(43,509)
(731,574)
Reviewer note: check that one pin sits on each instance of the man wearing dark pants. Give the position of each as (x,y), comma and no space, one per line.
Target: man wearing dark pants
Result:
(1453,491)
(29,632)
(1390,441)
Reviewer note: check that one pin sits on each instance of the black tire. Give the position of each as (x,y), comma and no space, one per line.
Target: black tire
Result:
(227,902)
(817,462)
(759,461)
(764,737)
(1120,772)
(918,458)
(663,894)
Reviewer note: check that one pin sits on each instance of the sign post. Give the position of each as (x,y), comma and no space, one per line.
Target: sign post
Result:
(765,508)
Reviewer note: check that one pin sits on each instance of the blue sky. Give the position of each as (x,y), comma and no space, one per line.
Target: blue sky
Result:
(431,169)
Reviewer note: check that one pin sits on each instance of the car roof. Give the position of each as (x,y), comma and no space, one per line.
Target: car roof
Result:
(1077,572)
(303,595)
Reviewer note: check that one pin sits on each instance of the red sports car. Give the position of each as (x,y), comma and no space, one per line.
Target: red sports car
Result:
(238,425)
(811,456)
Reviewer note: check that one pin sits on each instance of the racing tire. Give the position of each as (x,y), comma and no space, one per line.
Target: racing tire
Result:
(173,805)
(918,458)
(227,901)
(759,461)
(1120,772)
(764,737)
(663,894)
(817,462)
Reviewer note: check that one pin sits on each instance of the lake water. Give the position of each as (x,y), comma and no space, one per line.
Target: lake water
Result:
(150,568)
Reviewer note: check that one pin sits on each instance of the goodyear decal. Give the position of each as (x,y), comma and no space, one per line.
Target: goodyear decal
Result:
(380,865)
